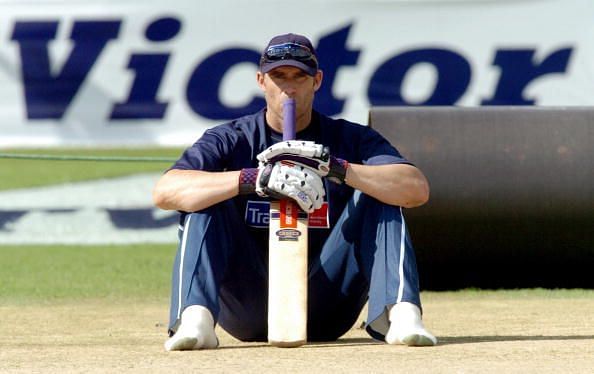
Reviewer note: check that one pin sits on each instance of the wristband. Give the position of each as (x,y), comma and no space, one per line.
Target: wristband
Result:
(247,181)
(338,170)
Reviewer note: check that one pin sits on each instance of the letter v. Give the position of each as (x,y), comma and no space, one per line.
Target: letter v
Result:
(48,95)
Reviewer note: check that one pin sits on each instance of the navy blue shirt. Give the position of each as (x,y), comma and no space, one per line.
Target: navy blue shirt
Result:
(235,145)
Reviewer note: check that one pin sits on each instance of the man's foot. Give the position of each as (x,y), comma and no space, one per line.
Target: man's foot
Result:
(181,343)
(406,326)
(196,331)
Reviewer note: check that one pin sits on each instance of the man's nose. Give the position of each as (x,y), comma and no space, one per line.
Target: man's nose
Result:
(289,89)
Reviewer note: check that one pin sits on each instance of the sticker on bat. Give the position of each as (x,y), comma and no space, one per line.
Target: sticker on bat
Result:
(285,235)
(289,213)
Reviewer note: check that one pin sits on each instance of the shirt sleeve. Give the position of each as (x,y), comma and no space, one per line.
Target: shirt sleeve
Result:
(207,153)
(377,150)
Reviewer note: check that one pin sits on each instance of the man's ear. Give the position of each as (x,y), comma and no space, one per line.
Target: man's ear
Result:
(318,80)
(260,80)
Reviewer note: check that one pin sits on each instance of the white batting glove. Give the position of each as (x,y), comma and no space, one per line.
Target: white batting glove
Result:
(283,180)
(300,152)
(309,154)
(296,147)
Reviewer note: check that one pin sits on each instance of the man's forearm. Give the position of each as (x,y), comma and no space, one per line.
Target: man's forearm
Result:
(193,190)
(395,184)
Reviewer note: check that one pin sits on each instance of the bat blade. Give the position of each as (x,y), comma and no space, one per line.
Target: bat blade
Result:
(287,262)
(287,291)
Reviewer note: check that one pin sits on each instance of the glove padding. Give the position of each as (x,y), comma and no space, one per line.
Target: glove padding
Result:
(283,180)
(297,147)
(309,154)
(300,152)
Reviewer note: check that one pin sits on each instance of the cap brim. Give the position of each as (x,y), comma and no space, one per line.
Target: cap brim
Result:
(300,65)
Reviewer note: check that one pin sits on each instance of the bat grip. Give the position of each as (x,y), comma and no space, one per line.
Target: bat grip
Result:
(289,127)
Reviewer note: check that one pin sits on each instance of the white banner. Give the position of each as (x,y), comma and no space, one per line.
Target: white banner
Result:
(141,72)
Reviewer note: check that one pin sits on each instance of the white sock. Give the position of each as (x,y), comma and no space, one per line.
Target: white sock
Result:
(196,331)
(406,326)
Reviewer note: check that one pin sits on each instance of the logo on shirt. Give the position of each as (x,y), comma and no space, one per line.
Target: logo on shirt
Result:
(257,215)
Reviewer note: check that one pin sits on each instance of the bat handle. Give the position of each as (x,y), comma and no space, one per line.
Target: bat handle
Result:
(289,126)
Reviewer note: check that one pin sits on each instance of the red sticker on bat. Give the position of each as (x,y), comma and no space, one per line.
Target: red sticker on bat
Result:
(289,212)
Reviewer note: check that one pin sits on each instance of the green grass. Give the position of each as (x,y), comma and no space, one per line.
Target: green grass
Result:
(18,173)
(54,273)
(50,274)
(38,273)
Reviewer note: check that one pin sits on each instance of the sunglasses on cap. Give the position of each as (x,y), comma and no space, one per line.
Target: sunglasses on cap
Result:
(291,51)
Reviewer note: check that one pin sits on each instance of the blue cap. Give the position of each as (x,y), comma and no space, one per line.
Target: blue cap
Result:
(289,50)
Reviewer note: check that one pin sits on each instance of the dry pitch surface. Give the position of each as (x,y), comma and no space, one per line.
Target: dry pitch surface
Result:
(479,332)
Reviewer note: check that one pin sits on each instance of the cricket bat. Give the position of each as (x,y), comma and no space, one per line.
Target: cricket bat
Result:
(287,265)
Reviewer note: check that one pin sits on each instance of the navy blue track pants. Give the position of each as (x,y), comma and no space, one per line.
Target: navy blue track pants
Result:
(368,256)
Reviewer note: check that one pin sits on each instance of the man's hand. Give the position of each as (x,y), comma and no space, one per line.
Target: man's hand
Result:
(296,147)
(286,180)
(301,152)
(282,180)
(309,154)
